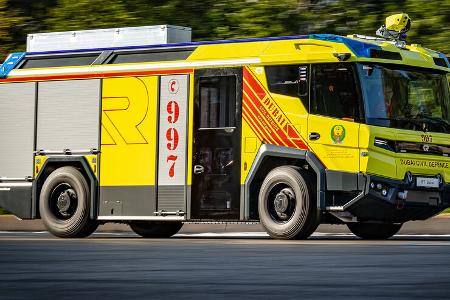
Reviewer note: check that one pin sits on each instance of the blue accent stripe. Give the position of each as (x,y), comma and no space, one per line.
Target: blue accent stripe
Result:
(174,45)
(10,63)
(441,55)
(358,48)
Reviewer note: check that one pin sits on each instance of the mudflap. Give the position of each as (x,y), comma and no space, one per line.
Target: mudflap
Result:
(17,199)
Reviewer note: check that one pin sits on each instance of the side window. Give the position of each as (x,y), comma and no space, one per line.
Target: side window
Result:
(218,102)
(289,80)
(334,92)
(58,61)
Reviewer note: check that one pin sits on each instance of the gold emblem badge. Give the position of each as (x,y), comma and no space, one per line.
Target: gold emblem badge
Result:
(338,134)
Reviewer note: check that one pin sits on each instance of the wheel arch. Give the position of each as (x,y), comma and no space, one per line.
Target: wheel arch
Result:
(270,157)
(53,163)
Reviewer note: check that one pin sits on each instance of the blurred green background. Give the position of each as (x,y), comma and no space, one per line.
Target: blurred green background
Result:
(222,19)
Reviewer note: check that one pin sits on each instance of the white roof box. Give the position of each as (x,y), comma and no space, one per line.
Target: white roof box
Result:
(108,38)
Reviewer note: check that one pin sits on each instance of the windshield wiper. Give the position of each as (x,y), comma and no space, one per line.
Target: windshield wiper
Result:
(445,125)
(398,119)
(435,120)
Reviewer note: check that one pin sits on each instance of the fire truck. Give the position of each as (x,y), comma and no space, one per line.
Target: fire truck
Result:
(145,127)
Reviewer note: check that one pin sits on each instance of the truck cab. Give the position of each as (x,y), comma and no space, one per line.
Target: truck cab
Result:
(388,123)
(379,123)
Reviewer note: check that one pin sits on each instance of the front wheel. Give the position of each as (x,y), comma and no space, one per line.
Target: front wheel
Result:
(374,231)
(64,204)
(156,229)
(287,204)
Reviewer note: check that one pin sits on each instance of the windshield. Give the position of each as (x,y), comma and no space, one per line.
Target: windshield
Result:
(405,98)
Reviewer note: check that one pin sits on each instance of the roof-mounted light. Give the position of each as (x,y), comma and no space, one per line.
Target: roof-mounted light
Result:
(395,29)
(10,63)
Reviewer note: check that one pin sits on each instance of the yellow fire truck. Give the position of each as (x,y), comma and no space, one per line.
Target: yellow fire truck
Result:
(143,126)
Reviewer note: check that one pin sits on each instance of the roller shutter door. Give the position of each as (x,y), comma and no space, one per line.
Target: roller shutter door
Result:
(68,115)
(17,119)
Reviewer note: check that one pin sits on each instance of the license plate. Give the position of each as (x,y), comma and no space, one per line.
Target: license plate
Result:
(427,182)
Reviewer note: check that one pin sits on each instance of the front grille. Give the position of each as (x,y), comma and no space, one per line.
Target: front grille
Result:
(412,147)
(422,148)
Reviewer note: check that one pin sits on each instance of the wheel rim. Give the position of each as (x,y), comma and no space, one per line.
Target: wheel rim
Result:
(281,203)
(63,201)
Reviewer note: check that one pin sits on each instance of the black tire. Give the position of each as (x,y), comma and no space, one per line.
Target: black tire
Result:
(374,231)
(149,229)
(287,204)
(64,204)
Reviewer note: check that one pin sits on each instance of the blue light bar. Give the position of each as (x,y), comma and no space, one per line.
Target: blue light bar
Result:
(441,55)
(10,63)
(358,48)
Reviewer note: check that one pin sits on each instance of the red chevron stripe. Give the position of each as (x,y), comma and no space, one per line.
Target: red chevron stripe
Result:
(250,122)
(270,134)
(256,124)
(256,94)
(259,90)
(283,139)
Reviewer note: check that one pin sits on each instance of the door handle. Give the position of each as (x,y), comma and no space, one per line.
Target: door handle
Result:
(198,169)
(313,136)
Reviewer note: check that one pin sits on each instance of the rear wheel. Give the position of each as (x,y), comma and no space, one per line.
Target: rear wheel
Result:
(64,204)
(287,204)
(155,229)
(374,231)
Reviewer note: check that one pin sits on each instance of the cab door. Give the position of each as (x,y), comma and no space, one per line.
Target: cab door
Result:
(335,113)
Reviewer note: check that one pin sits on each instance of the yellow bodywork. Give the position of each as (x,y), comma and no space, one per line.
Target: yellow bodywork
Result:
(190,131)
(388,164)
(39,161)
(128,136)
(249,149)
(92,160)
(129,111)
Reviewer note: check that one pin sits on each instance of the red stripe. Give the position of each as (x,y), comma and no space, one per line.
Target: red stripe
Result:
(98,75)
(266,137)
(300,144)
(251,123)
(252,126)
(294,139)
(266,114)
(257,127)
(254,84)
(270,133)
(283,138)
(258,111)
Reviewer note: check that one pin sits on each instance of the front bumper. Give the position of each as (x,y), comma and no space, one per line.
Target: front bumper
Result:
(401,201)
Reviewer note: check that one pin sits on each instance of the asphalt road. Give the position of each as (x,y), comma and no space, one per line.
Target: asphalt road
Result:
(437,225)
(223,266)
